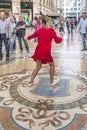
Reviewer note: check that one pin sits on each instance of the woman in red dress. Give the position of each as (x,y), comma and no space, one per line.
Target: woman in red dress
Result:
(42,54)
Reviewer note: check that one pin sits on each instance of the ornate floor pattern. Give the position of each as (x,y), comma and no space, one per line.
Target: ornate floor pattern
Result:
(40,107)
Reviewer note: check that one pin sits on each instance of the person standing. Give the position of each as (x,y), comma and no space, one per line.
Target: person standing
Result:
(53,23)
(75,23)
(11,14)
(13,36)
(82,28)
(61,22)
(21,32)
(68,24)
(37,27)
(4,35)
(72,23)
(42,54)
(56,23)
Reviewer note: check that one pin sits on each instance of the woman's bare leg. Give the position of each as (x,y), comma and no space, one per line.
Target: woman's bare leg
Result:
(52,71)
(36,70)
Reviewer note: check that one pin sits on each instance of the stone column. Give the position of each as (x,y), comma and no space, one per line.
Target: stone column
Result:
(16,7)
(86,5)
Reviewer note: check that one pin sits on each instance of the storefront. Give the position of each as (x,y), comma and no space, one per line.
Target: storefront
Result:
(27,11)
(6,6)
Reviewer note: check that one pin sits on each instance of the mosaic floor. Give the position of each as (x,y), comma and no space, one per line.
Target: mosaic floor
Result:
(37,107)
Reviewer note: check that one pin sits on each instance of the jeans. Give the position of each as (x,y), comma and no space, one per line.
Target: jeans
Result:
(14,47)
(84,38)
(11,43)
(4,38)
(71,28)
(20,38)
(68,28)
(61,29)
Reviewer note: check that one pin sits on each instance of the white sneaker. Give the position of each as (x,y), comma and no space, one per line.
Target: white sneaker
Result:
(30,84)
(54,82)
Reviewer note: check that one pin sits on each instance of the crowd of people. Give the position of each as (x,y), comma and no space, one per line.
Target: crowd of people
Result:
(10,28)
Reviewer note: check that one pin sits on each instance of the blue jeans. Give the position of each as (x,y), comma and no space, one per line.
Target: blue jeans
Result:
(20,38)
(4,38)
(84,38)
(12,42)
(68,29)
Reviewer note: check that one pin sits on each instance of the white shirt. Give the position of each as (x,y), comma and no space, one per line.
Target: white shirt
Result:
(82,25)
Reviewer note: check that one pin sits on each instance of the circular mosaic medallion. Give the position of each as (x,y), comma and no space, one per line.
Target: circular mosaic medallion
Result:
(65,94)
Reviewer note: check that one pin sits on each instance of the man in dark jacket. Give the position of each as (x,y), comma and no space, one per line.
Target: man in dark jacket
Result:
(21,32)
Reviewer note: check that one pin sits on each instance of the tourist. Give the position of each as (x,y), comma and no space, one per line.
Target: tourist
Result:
(4,35)
(37,26)
(82,28)
(12,34)
(68,24)
(21,32)
(61,22)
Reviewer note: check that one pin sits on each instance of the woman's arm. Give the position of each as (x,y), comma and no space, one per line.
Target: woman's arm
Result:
(57,39)
(35,34)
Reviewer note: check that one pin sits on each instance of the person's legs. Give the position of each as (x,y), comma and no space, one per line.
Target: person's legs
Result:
(20,43)
(14,47)
(6,46)
(13,42)
(10,46)
(60,29)
(68,29)
(36,70)
(63,29)
(52,71)
(84,41)
(71,28)
(26,43)
(0,48)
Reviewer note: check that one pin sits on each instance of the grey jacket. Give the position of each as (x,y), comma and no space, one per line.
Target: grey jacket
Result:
(8,28)
(5,27)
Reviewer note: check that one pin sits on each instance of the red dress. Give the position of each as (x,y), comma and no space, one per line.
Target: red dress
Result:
(43,49)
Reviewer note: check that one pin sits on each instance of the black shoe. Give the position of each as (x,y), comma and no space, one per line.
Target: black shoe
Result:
(7,58)
(83,49)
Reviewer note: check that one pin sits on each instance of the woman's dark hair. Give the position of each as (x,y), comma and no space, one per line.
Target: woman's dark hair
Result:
(84,13)
(35,18)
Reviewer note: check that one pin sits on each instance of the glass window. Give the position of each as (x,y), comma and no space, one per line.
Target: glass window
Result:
(75,9)
(75,3)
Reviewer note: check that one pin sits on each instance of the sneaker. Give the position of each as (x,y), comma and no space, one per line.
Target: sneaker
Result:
(54,83)
(83,49)
(7,58)
(30,84)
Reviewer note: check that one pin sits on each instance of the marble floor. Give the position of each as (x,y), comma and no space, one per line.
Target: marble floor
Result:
(38,107)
